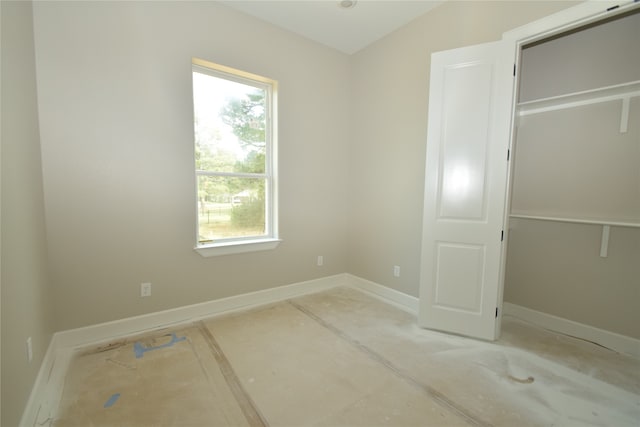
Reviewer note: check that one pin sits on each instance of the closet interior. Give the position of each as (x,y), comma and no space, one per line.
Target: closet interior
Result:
(574,219)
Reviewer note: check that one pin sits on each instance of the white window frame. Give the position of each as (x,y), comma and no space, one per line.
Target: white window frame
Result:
(270,239)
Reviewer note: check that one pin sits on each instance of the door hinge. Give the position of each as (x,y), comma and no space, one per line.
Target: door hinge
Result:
(508,154)
(502,235)
(514,70)
(496,312)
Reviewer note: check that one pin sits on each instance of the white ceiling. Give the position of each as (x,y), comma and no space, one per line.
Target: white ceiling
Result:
(324,21)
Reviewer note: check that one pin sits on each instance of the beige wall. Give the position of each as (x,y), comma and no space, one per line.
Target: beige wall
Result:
(556,268)
(390,89)
(114,81)
(576,163)
(26,296)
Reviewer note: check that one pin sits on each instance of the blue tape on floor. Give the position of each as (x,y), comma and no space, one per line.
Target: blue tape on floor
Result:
(109,403)
(140,350)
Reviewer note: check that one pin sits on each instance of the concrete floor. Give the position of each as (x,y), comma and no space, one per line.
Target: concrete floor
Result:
(343,358)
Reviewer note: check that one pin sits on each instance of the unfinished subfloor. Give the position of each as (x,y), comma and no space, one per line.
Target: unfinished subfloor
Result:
(343,358)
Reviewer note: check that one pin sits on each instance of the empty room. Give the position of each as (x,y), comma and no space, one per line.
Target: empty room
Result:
(338,213)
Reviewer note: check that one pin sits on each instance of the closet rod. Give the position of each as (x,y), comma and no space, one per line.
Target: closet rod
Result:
(578,99)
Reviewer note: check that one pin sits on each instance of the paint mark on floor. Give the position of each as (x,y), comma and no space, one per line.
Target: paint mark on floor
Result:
(111,346)
(140,350)
(528,380)
(112,400)
(124,365)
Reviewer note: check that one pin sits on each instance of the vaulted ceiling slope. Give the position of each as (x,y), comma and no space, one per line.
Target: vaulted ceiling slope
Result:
(347,26)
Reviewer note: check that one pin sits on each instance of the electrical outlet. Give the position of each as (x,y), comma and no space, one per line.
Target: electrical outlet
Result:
(145,289)
(396,271)
(320,260)
(29,350)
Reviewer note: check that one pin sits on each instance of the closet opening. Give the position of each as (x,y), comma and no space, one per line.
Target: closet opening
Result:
(573,247)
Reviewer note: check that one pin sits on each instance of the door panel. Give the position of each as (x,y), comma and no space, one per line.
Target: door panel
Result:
(459,288)
(466,176)
(462,191)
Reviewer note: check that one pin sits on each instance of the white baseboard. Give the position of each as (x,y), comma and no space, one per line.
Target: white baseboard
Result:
(30,412)
(147,322)
(47,390)
(612,340)
(404,301)
(46,393)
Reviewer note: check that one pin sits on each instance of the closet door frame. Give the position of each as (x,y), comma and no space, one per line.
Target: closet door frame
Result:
(512,41)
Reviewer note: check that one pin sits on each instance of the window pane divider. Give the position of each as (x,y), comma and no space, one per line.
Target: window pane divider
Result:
(232,174)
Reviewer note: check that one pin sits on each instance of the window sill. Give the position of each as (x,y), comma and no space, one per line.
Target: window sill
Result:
(237,247)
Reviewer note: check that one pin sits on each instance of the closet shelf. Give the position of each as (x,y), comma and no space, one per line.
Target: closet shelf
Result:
(577,99)
(617,223)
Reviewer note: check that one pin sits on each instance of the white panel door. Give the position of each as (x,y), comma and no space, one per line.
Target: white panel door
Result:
(470,110)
